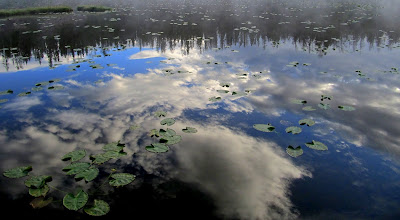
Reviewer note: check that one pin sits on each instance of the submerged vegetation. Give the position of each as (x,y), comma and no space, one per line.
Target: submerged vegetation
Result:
(34,11)
(93,8)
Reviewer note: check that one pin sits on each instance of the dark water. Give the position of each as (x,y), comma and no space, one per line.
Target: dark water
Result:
(114,70)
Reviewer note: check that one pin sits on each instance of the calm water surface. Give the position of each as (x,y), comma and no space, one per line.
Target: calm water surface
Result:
(111,72)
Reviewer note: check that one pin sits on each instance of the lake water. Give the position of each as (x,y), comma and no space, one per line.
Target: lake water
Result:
(81,81)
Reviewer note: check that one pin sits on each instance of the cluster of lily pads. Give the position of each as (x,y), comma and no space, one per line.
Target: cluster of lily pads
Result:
(167,136)
(39,188)
(316,145)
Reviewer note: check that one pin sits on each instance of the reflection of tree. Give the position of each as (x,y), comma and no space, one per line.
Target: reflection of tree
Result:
(165,26)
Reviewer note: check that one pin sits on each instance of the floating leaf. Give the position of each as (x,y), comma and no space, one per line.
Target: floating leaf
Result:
(157,148)
(264,127)
(75,168)
(37,182)
(309,108)
(24,94)
(89,174)
(214,99)
(167,133)
(39,192)
(316,145)
(324,106)
(239,93)
(329,97)
(294,152)
(168,121)
(99,208)
(37,89)
(346,108)
(6,92)
(309,122)
(170,140)
(225,84)
(114,146)
(3,100)
(154,132)
(40,202)
(18,172)
(104,157)
(298,101)
(75,202)
(160,114)
(223,91)
(45,83)
(189,130)
(121,179)
(134,127)
(74,155)
(293,130)
(56,87)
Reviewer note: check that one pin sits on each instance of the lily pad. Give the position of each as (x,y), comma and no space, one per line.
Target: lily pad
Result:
(168,121)
(37,89)
(40,202)
(222,91)
(99,208)
(6,92)
(170,140)
(45,83)
(316,145)
(157,148)
(154,132)
(239,93)
(37,182)
(134,127)
(121,179)
(75,168)
(329,97)
(293,130)
(18,172)
(309,108)
(307,121)
(74,155)
(89,174)
(114,146)
(24,94)
(189,130)
(39,192)
(75,202)
(167,133)
(3,100)
(324,106)
(56,87)
(214,99)
(225,84)
(346,108)
(294,152)
(298,101)
(160,114)
(264,127)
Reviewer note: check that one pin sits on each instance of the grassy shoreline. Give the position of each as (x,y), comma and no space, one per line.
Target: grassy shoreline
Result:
(34,11)
(93,8)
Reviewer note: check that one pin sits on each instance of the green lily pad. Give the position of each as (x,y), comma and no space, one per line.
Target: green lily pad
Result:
(74,155)
(309,122)
(45,83)
(39,192)
(37,89)
(37,182)
(75,202)
(329,97)
(134,127)
(294,152)
(189,130)
(160,114)
(114,146)
(293,130)
(154,132)
(225,84)
(104,157)
(3,100)
(6,92)
(316,145)
(99,208)
(346,108)
(75,168)
(309,108)
(121,179)
(239,93)
(18,172)
(298,101)
(214,99)
(24,94)
(168,121)
(89,174)
(167,133)
(170,140)
(324,106)
(40,202)
(56,87)
(264,127)
(223,91)
(157,148)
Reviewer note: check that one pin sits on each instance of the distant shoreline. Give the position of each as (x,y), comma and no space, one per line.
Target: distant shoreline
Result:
(51,9)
